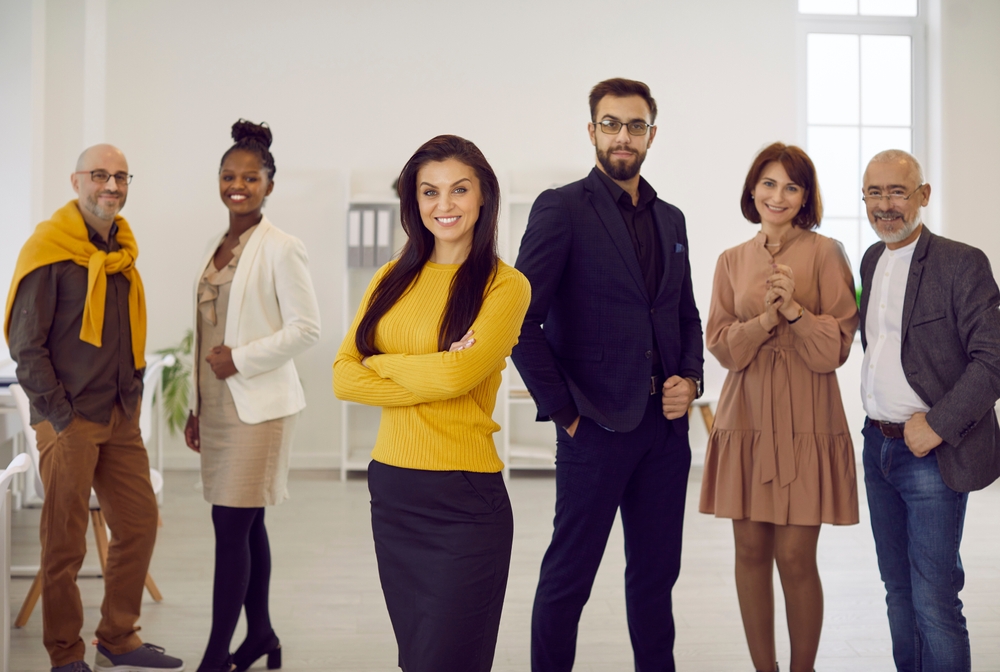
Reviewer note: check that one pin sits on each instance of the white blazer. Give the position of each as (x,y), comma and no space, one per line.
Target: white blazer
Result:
(273,316)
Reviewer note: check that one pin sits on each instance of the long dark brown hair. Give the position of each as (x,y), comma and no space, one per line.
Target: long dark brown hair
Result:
(469,285)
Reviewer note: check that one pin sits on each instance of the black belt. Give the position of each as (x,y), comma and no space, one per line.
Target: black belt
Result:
(655,385)
(890,430)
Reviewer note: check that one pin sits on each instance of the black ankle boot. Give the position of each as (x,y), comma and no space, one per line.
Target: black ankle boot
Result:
(249,652)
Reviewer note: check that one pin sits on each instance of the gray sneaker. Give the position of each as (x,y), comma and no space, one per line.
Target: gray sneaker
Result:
(147,658)
(75,666)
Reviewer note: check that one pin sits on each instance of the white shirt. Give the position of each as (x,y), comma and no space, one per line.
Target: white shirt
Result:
(885,392)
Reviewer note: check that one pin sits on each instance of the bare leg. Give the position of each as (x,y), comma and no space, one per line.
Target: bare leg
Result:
(755,588)
(795,552)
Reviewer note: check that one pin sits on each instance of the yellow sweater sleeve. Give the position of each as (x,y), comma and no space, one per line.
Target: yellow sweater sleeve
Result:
(353,381)
(446,375)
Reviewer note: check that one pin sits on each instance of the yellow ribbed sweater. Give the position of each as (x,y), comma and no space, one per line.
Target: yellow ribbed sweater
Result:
(437,407)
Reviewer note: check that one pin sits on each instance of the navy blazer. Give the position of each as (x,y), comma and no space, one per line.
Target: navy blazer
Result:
(588,335)
(951,352)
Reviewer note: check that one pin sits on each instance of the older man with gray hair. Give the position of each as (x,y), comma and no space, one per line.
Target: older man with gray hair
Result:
(930,381)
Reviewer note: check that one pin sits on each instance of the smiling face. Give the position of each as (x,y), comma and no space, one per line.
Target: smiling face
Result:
(777,198)
(621,155)
(449,198)
(897,215)
(243,183)
(102,200)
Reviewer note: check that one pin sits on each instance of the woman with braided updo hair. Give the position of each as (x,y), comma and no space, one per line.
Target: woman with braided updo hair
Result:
(255,309)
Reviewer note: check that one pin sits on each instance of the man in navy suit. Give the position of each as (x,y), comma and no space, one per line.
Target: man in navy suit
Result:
(611,351)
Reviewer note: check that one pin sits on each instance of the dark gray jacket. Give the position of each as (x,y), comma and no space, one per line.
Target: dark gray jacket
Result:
(951,352)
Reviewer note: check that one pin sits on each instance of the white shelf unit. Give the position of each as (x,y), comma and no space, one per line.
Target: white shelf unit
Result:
(359,422)
(523,443)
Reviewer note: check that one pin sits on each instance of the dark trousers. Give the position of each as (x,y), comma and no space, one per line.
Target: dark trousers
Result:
(442,541)
(644,473)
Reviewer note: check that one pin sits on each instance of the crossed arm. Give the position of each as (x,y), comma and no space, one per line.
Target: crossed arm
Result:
(400,379)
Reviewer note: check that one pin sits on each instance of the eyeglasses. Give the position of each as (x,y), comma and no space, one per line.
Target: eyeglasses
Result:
(102,176)
(612,127)
(895,195)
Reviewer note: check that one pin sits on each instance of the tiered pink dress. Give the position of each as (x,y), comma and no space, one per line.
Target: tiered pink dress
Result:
(780,450)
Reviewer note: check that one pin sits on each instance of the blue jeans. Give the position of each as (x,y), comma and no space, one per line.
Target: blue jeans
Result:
(917,522)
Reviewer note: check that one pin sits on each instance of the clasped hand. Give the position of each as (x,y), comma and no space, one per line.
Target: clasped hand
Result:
(779,300)
(221,361)
(678,393)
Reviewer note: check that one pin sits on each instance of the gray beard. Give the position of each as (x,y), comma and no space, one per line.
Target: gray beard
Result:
(903,233)
(106,213)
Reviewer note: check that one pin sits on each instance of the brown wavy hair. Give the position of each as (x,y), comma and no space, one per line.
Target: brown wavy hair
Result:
(800,168)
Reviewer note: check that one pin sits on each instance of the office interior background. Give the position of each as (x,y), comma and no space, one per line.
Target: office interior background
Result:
(350,89)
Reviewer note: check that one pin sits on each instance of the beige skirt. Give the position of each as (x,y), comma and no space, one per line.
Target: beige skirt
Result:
(244,465)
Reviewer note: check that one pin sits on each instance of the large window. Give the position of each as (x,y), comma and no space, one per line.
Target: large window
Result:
(862,91)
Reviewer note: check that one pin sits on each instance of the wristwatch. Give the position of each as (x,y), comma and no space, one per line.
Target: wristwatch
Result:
(699,387)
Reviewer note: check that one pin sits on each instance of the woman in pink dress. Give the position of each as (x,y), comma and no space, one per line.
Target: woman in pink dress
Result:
(780,459)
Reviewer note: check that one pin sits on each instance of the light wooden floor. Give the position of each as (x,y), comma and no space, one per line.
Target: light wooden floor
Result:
(327,605)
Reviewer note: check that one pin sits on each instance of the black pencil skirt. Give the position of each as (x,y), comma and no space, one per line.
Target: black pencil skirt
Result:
(442,541)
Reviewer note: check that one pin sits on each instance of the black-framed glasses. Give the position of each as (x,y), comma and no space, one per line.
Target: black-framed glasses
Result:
(102,176)
(895,195)
(612,127)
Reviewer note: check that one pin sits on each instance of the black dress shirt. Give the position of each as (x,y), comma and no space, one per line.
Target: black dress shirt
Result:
(645,239)
(62,375)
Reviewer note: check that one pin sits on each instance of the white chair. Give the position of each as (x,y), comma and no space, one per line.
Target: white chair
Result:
(18,465)
(152,383)
(98,523)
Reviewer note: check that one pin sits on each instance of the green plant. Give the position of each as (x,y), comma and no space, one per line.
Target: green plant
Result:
(177,383)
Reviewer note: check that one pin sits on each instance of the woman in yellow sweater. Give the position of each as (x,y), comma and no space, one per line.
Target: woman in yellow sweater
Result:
(428,345)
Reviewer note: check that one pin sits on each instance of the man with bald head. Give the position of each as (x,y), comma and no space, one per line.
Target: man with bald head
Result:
(930,380)
(75,322)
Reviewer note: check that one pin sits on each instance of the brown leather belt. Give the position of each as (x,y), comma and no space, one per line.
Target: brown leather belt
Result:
(655,385)
(890,430)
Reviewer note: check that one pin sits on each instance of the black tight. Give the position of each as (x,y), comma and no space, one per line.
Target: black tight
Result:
(242,578)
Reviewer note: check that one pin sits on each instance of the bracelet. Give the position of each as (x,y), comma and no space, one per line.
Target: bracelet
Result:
(799,317)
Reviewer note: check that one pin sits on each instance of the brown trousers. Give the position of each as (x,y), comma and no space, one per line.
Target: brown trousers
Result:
(112,459)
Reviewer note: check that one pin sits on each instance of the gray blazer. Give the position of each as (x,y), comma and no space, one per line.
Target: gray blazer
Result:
(951,352)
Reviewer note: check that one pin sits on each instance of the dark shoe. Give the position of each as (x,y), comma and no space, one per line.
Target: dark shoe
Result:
(249,652)
(147,658)
(225,666)
(75,666)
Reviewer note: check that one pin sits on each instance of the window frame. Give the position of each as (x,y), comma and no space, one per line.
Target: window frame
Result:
(915,27)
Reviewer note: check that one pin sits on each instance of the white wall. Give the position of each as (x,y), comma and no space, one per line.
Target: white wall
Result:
(970,102)
(358,86)
(361,85)
(16,157)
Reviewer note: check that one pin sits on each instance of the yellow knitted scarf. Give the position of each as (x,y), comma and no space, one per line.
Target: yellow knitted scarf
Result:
(65,238)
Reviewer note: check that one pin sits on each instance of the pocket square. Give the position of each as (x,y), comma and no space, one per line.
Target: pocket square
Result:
(678,247)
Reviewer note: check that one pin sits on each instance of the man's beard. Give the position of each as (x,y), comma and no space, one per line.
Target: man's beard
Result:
(93,205)
(902,234)
(621,170)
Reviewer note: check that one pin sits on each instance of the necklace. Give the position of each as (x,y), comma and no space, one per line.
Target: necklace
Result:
(772,244)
